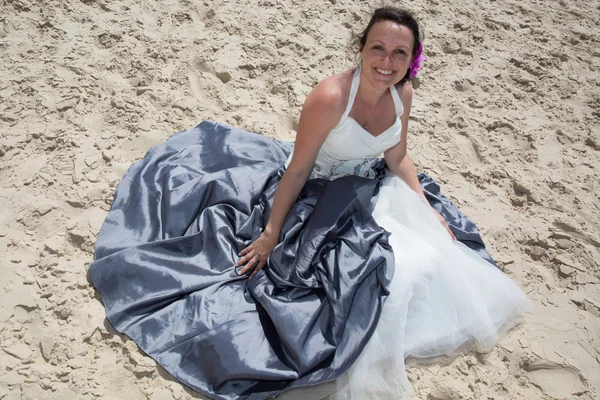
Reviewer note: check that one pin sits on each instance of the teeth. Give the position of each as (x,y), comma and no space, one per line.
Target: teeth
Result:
(381,71)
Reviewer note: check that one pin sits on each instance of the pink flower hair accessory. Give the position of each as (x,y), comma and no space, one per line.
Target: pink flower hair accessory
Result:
(417,62)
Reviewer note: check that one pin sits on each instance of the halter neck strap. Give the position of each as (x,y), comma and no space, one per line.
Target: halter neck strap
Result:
(354,89)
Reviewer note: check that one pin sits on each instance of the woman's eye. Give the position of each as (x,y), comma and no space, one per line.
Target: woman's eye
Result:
(400,52)
(377,48)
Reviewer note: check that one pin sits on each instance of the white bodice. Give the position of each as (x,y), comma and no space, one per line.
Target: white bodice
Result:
(349,149)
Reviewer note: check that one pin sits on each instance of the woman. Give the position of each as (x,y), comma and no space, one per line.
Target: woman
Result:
(341,236)
(387,49)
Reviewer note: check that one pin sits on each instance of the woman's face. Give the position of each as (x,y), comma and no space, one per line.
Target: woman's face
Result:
(387,53)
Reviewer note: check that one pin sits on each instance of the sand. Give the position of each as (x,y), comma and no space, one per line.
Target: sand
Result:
(506,116)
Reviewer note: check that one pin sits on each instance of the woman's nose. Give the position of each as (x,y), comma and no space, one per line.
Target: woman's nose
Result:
(388,57)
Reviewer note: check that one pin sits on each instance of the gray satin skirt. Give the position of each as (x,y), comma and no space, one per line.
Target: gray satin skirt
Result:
(165,265)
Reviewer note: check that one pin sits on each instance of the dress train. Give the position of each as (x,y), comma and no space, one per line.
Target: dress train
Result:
(442,296)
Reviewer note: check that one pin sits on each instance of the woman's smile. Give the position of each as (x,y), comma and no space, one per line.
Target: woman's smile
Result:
(384,72)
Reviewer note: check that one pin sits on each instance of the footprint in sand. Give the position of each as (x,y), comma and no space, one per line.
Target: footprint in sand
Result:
(470,147)
(196,67)
(554,380)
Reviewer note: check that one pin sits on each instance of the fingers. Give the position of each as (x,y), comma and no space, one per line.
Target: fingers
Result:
(449,231)
(253,260)
(245,259)
(247,250)
(260,266)
(445,224)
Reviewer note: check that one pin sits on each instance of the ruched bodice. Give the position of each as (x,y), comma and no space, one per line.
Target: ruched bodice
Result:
(349,149)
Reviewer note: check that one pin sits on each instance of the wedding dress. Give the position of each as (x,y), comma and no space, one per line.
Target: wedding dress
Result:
(364,274)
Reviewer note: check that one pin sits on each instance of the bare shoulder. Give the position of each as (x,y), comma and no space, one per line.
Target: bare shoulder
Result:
(332,92)
(322,110)
(405,92)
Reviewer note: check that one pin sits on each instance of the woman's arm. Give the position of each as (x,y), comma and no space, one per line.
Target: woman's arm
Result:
(398,160)
(320,114)
(407,171)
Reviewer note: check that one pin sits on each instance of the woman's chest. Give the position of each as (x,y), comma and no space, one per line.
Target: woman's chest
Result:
(350,141)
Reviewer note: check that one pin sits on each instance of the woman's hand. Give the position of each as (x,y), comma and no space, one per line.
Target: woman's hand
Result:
(322,110)
(255,256)
(443,222)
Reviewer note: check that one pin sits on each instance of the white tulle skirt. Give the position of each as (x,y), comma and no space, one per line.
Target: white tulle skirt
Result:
(442,296)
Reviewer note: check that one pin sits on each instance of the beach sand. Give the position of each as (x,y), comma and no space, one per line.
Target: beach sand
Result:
(506,116)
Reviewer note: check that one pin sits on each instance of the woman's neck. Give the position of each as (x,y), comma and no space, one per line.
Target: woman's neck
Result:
(368,93)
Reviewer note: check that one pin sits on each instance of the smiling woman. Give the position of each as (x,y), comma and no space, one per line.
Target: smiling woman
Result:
(387,53)
(247,266)
(400,31)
